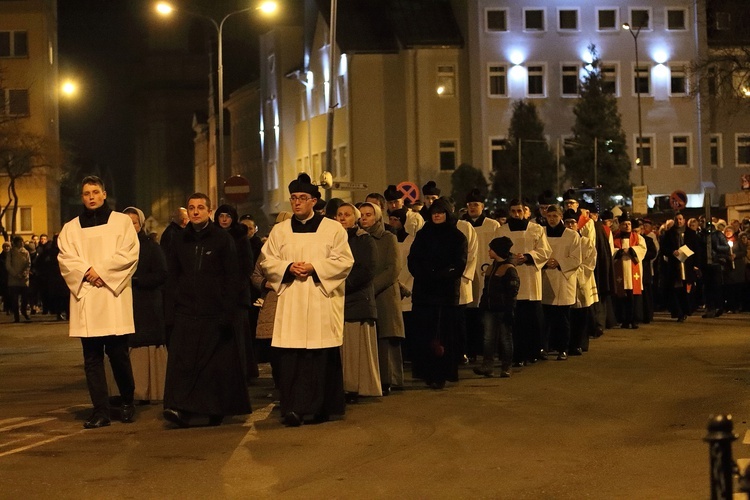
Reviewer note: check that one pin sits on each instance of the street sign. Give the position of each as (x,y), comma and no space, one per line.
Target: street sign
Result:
(349,185)
(678,200)
(640,200)
(409,190)
(237,189)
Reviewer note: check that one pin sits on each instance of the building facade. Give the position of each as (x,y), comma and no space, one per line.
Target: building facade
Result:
(29,99)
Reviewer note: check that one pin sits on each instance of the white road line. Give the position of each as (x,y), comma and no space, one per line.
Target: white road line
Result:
(742,464)
(27,423)
(11,420)
(40,443)
(258,415)
(746,439)
(26,437)
(66,409)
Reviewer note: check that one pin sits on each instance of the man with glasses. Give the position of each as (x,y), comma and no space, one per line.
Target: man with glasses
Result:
(306,261)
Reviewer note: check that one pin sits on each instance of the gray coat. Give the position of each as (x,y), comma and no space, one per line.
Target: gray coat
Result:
(360,303)
(18,264)
(390,321)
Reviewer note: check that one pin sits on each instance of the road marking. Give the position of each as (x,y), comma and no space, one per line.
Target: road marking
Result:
(27,423)
(24,438)
(66,409)
(258,415)
(742,464)
(39,443)
(11,420)
(746,439)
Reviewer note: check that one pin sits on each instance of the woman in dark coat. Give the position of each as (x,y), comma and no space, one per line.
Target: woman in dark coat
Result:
(148,352)
(359,352)
(226,218)
(679,277)
(437,260)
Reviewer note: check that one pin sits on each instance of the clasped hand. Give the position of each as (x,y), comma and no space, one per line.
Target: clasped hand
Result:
(301,270)
(93,277)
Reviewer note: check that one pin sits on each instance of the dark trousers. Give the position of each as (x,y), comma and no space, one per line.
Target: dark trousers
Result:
(311,382)
(712,284)
(498,333)
(475,331)
(527,330)
(438,351)
(581,320)
(18,293)
(116,347)
(557,322)
(627,308)
(679,303)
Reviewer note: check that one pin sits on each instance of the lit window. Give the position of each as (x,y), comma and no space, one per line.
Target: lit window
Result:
(607,20)
(610,79)
(681,150)
(497,75)
(570,80)
(567,19)
(741,82)
(743,150)
(533,20)
(448,152)
(536,84)
(678,85)
(642,79)
(640,18)
(496,19)
(677,19)
(14,44)
(715,152)
(498,153)
(645,151)
(446,80)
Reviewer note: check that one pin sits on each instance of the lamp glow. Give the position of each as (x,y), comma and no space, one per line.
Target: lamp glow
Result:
(69,88)
(164,8)
(660,56)
(516,57)
(269,7)
(440,90)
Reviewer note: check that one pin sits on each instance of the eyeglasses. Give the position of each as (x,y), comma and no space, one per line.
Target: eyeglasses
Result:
(303,199)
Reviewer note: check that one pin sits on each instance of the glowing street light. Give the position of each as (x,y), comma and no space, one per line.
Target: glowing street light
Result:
(69,88)
(267,7)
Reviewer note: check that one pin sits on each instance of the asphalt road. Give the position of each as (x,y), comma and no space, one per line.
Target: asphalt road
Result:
(626,420)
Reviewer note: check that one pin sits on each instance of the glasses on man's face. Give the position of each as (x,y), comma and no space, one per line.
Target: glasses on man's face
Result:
(303,199)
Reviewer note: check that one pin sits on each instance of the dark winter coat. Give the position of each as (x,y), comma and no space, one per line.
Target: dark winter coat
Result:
(148,303)
(168,237)
(359,302)
(672,241)
(245,260)
(437,260)
(501,284)
(603,272)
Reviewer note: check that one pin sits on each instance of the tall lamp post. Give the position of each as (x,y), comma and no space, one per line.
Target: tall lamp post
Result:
(639,149)
(267,7)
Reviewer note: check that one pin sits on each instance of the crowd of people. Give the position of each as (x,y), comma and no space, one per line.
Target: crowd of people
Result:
(341,296)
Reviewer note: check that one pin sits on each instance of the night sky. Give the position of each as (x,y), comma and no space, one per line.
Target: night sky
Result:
(102,44)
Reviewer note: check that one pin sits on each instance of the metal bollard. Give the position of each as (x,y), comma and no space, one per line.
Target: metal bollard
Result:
(745,481)
(719,439)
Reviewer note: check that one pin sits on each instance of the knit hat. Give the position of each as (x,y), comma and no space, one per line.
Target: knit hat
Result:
(392,194)
(501,246)
(430,189)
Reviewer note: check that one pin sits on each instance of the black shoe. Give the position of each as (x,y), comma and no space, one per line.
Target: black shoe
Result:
(97,420)
(633,326)
(562,356)
(483,371)
(504,372)
(437,385)
(176,417)
(351,398)
(576,352)
(518,364)
(127,414)
(291,419)
(386,388)
(543,355)
(215,420)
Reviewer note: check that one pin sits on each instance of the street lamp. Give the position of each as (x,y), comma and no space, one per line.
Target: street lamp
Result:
(69,88)
(639,149)
(267,7)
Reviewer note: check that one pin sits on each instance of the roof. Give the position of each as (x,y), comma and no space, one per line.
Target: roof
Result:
(384,26)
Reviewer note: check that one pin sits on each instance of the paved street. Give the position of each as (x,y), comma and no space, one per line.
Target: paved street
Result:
(624,421)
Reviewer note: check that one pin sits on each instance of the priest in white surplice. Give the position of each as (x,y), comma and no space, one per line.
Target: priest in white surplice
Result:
(98,257)
(306,260)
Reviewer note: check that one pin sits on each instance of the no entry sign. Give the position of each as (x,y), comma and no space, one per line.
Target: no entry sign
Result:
(237,189)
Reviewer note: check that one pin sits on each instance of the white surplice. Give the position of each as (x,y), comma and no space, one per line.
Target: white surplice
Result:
(532,241)
(112,250)
(485,234)
(587,293)
(309,314)
(466,290)
(559,284)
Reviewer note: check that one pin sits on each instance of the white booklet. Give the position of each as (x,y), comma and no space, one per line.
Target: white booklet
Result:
(685,253)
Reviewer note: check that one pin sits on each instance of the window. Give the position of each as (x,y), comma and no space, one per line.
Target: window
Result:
(536,84)
(642,79)
(342,162)
(640,18)
(496,19)
(723,21)
(570,80)
(676,19)
(741,82)
(717,160)
(448,152)
(497,80)
(533,20)
(446,80)
(14,102)
(14,44)
(567,19)
(607,19)
(610,80)
(681,149)
(23,220)
(498,153)
(712,81)
(678,85)
(743,149)
(646,150)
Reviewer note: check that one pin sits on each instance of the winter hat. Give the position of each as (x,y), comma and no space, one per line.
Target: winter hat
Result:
(226,209)
(546,198)
(392,194)
(441,205)
(303,184)
(501,246)
(400,213)
(570,214)
(430,189)
(474,196)
(138,212)
(375,207)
